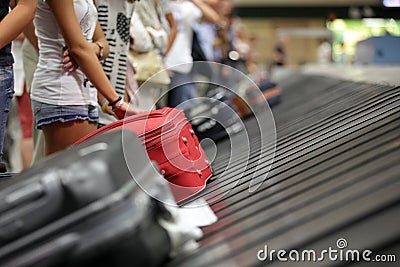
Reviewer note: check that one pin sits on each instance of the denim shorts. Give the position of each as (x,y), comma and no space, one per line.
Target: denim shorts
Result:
(47,114)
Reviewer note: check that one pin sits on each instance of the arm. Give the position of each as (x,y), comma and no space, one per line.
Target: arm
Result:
(29,32)
(173,27)
(99,46)
(79,48)
(100,39)
(20,37)
(15,22)
(172,32)
(209,14)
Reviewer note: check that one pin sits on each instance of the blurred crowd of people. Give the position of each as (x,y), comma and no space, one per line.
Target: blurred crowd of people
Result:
(79,64)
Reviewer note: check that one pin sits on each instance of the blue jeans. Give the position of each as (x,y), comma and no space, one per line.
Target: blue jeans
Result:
(182,89)
(6,95)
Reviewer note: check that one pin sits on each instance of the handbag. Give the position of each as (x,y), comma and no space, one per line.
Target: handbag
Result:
(148,65)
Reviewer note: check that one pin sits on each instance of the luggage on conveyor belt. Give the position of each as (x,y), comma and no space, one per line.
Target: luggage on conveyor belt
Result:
(214,117)
(258,97)
(171,142)
(271,91)
(84,207)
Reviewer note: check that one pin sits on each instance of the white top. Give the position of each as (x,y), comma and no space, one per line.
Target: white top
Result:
(51,83)
(114,18)
(185,14)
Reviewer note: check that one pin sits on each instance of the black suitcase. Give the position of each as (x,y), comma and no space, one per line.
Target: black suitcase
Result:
(86,207)
(214,116)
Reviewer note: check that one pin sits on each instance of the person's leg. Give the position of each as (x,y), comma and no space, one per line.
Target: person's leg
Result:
(26,122)
(30,59)
(175,96)
(64,125)
(26,148)
(190,91)
(60,135)
(6,94)
(38,144)
(181,89)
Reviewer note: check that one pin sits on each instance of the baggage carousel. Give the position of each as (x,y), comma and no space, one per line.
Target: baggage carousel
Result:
(334,182)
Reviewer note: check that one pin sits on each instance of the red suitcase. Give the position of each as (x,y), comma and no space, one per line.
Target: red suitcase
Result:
(171,142)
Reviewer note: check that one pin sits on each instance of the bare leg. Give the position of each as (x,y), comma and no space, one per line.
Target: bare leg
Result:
(58,136)
(26,147)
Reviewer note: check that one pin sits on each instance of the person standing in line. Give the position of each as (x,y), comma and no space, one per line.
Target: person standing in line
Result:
(149,31)
(11,25)
(207,32)
(179,60)
(224,38)
(242,47)
(153,28)
(169,24)
(64,105)
(114,18)
(324,52)
(279,57)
